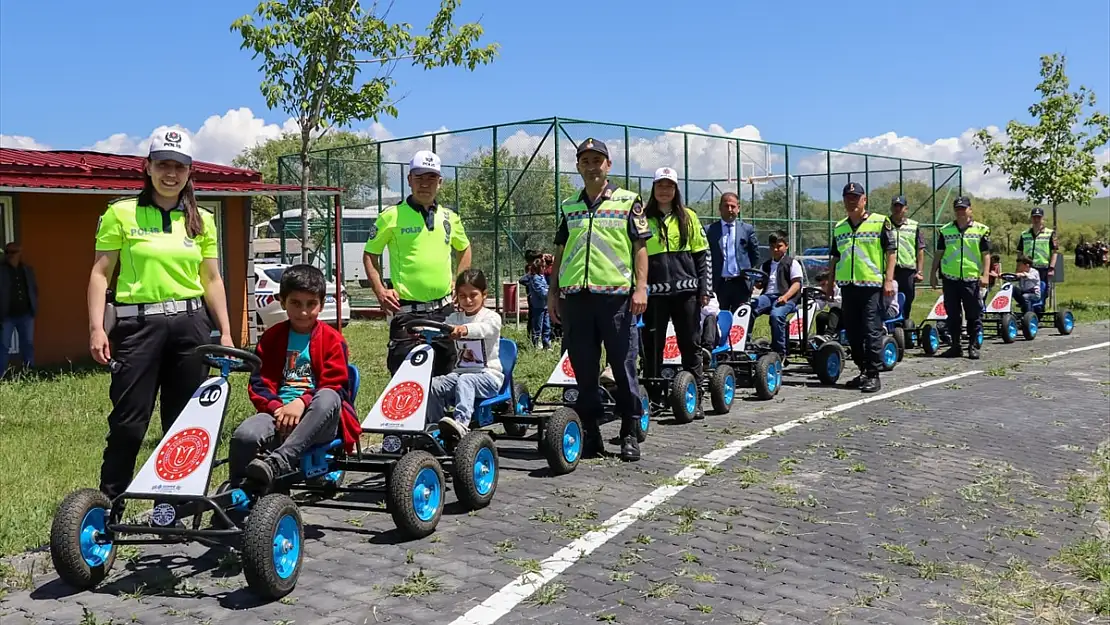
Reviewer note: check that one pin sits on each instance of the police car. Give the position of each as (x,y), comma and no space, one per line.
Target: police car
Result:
(268,309)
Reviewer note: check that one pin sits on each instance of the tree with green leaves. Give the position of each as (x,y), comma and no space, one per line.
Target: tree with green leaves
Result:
(312,51)
(1053,161)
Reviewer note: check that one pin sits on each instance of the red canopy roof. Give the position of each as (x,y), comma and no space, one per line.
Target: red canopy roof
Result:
(96,172)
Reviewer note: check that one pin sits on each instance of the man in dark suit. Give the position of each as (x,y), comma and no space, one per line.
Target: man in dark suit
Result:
(733,247)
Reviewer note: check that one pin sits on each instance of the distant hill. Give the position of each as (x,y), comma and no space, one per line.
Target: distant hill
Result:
(1095,213)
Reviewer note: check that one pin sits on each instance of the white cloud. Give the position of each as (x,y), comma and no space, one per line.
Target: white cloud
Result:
(221,137)
(19,142)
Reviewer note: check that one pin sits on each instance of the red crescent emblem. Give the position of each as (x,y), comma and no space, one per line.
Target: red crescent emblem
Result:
(568,370)
(736,334)
(1001,302)
(940,311)
(670,348)
(402,401)
(182,454)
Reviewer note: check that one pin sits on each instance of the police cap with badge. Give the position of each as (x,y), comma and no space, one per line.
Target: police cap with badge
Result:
(592,145)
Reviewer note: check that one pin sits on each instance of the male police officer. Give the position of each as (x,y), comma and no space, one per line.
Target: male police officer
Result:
(1040,244)
(600,271)
(963,257)
(910,259)
(863,247)
(420,236)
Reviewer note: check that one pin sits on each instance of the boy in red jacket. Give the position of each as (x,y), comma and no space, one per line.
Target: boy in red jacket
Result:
(302,391)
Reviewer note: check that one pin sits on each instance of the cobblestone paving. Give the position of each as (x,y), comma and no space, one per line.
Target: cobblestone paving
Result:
(831,522)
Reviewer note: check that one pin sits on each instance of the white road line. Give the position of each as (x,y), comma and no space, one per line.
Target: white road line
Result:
(1071,351)
(512,594)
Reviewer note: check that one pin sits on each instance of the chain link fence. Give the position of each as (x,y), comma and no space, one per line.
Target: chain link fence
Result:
(508,197)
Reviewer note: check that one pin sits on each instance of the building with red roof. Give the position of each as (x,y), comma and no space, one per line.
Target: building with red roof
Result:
(50,202)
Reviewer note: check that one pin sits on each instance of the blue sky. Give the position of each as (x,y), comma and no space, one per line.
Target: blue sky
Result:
(905,77)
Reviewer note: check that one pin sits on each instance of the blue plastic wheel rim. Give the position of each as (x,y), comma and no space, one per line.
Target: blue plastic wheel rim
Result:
(730,389)
(890,354)
(772,377)
(832,365)
(1011,329)
(572,442)
(645,414)
(691,398)
(94,553)
(980,337)
(521,406)
(485,469)
(426,494)
(287,547)
(1069,321)
(1034,325)
(934,341)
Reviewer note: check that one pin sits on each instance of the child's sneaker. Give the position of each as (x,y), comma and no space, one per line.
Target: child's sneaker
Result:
(607,378)
(261,471)
(455,427)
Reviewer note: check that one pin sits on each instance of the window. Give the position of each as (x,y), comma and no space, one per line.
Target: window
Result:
(216,207)
(7,220)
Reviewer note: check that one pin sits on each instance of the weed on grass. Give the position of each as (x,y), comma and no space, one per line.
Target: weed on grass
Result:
(417,584)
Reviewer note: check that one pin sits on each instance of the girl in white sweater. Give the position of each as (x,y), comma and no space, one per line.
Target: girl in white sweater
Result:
(477,374)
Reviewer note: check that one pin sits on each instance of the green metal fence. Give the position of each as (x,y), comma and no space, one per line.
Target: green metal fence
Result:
(508,197)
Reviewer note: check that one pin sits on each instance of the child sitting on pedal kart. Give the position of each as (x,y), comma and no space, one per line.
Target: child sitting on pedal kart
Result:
(477,374)
(710,332)
(780,295)
(1029,286)
(301,390)
(828,321)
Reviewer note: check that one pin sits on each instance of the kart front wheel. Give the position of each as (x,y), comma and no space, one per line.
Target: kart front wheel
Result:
(475,470)
(645,418)
(1008,328)
(828,363)
(722,389)
(273,546)
(1029,325)
(930,339)
(683,397)
(1065,321)
(415,494)
(563,440)
(767,376)
(80,555)
(890,353)
(899,335)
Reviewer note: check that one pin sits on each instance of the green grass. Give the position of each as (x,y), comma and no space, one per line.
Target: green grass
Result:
(52,430)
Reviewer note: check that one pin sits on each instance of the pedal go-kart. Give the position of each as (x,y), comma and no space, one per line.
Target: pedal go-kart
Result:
(934,332)
(894,339)
(901,328)
(413,455)
(560,428)
(84,536)
(1044,310)
(676,389)
(755,362)
(999,321)
(824,354)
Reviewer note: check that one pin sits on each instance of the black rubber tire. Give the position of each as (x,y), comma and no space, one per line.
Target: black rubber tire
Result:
(1061,316)
(717,389)
(820,362)
(257,549)
(65,539)
(519,391)
(552,445)
(1027,321)
(888,340)
(400,498)
(462,470)
(759,376)
(676,398)
(1004,321)
(900,340)
(924,335)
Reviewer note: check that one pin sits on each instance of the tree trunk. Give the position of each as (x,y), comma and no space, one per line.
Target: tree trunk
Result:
(305,176)
(1054,216)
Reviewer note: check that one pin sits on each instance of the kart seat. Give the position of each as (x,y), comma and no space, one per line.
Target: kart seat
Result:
(1038,306)
(724,328)
(315,459)
(901,312)
(507,352)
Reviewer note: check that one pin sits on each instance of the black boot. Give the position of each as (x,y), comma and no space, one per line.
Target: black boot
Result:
(593,446)
(973,352)
(953,352)
(870,383)
(630,442)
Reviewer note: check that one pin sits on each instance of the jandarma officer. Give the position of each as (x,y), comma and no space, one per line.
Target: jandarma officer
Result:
(420,236)
(1041,245)
(963,258)
(168,293)
(863,247)
(601,270)
(911,251)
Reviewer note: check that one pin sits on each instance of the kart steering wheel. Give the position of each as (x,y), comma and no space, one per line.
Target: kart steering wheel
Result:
(1010,277)
(812,292)
(755,274)
(429,329)
(229,359)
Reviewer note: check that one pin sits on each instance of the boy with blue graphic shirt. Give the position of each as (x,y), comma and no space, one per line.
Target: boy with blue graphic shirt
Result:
(301,392)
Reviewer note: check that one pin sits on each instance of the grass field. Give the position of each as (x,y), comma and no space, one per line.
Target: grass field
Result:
(52,428)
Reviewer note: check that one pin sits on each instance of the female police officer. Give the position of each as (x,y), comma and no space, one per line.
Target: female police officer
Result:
(165,247)
(678,278)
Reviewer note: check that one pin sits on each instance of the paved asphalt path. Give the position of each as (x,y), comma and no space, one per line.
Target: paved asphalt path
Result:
(837,519)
